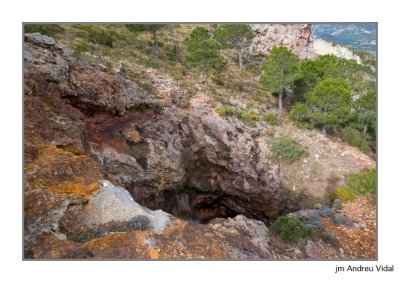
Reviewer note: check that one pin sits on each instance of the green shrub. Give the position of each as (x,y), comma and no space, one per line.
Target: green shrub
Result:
(243,114)
(287,150)
(299,112)
(237,86)
(218,97)
(271,118)
(259,97)
(225,110)
(81,46)
(289,229)
(48,29)
(354,138)
(217,80)
(101,37)
(253,116)
(342,193)
(362,183)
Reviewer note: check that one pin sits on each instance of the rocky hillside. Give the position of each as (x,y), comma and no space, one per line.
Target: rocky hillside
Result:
(128,160)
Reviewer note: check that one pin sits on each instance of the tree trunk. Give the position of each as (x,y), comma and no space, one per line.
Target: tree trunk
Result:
(324,131)
(280,102)
(288,95)
(278,172)
(205,76)
(365,129)
(156,49)
(240,58)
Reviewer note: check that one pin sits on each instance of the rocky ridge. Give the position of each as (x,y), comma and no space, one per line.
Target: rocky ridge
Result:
(297,37)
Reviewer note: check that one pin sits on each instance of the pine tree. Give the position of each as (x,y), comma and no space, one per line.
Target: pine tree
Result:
(365,112)
(236,36)
(153,28)
(281,71)
(203,50)
(329,103)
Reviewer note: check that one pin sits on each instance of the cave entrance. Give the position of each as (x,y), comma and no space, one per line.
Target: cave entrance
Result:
(197,206)
(187,202)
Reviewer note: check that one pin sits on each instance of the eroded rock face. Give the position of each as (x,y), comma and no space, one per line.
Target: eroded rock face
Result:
(299,38)
(83,125)
(296,37)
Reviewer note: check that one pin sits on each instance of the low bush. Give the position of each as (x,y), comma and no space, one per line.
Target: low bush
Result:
(287,150)
(225,110)
(81,47)
(342,193)
(289,229)
(243,114)
(253,116)
(48,29)
(358,184)
(354,138)
(218,97)
(101,37)
(217,80)
(237,86)
(362,183)
(271,118)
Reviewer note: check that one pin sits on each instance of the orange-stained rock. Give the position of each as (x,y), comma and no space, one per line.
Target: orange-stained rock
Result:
(59,171)
(154,254)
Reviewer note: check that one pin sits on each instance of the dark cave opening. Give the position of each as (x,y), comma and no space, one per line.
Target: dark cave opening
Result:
(187,202)
(194,205)
(197,205)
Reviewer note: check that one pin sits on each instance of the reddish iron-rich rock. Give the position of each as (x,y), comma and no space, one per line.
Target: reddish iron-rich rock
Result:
(139,144)
(222,239)
(359,240)
(83,125)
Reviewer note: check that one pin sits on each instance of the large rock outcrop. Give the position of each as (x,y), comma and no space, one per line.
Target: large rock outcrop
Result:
(299,38)
(296,37)
(83,125)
